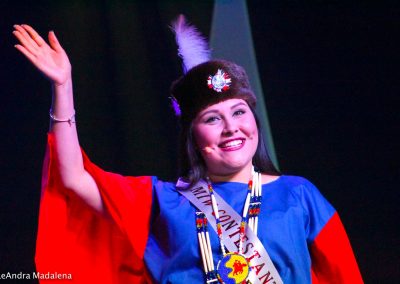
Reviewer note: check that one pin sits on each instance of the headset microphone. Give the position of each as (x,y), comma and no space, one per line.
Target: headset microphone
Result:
(208,149)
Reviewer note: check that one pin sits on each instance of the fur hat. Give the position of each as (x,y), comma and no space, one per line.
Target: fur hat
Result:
(205,82)
(193,92)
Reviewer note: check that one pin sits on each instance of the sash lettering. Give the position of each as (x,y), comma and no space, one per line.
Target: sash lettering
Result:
(263,270)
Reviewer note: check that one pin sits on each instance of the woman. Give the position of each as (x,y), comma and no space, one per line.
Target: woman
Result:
(232,218)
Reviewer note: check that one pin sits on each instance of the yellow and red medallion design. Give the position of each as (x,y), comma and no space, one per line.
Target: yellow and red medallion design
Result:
(233,269)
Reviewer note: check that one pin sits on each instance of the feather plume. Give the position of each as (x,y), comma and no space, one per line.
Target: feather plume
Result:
(192,46)
(175,105)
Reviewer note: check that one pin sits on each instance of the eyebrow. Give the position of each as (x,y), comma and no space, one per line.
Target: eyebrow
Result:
(216,110)
(238,104)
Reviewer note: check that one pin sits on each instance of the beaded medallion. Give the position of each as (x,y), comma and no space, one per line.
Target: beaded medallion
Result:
(233,268)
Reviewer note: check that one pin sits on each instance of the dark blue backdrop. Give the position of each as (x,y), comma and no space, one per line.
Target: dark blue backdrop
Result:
(329,71)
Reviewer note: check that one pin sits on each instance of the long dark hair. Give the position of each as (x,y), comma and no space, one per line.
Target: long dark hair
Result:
(191,163)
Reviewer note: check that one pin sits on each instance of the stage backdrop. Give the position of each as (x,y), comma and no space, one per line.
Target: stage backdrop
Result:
(328,71)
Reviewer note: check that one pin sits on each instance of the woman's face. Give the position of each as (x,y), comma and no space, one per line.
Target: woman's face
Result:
(227,136)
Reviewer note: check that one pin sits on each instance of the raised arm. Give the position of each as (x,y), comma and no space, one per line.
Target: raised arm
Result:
(53,62)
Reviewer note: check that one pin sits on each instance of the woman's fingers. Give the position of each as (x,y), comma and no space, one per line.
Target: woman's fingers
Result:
(32,41)
(34,35)
(50,59)
(54,43)
(24,42)
(26,36)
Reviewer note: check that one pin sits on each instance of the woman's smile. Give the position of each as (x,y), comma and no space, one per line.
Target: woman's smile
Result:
(232,144)
(227,134)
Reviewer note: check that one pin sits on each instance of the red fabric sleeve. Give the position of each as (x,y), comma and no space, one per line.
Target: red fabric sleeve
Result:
(333,260)
(73,239)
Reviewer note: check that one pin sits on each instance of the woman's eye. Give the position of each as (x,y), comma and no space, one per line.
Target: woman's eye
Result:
(239,112)
(211,119)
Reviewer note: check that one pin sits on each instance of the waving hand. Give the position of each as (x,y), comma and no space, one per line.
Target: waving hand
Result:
(50,59)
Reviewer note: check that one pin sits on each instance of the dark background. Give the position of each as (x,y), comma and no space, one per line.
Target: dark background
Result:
(329,71)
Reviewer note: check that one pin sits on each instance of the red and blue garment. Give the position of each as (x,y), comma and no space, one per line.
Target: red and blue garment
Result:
(150,236)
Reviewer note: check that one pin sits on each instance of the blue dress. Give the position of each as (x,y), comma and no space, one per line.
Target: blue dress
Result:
(293,212)
(149,233)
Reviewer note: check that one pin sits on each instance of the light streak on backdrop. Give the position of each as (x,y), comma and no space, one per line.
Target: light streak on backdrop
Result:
(231,39)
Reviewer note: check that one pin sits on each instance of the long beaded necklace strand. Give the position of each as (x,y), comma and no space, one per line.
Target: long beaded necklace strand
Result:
(250,214)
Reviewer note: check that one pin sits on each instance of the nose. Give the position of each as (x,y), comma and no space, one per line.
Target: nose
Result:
(230,127)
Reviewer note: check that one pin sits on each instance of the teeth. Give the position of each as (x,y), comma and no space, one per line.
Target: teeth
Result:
(232,143)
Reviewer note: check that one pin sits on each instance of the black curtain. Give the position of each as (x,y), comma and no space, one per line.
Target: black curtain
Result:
(328,70)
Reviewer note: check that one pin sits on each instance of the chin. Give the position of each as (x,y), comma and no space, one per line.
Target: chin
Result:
(228,163)
(237,162)
(232,167)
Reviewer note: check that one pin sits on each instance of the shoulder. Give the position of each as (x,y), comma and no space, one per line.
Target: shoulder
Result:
(316,207)
(288,180)
(164,189)
(293,189)
(305,191)
(296,183)
(163,185)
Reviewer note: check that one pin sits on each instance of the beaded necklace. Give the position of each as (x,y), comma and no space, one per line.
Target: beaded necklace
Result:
(238,267)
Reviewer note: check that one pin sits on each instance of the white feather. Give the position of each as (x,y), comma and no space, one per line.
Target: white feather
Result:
(192,46)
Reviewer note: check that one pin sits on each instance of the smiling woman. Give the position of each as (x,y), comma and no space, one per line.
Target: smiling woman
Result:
(227,134)
(199,110)
(230,217)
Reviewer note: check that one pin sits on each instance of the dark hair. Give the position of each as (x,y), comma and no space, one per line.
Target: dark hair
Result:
(192,166)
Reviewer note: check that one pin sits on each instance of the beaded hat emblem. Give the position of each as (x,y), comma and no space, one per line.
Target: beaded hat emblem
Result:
(220,81)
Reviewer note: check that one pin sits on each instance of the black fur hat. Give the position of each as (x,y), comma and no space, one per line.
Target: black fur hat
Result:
(195,90)
(205,81)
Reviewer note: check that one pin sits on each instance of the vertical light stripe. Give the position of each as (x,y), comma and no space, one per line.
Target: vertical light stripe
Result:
(231,39)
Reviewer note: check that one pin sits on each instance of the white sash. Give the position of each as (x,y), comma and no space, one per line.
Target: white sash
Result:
(262,268)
